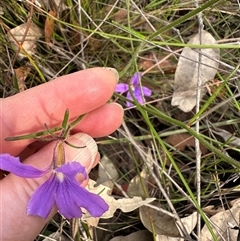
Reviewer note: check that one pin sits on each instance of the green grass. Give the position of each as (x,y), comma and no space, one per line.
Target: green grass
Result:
(120,34)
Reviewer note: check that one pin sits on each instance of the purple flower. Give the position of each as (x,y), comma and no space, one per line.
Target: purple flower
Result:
(61,189)
(138,91)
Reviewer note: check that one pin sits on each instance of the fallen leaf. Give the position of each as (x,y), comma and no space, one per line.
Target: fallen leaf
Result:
(106,171)
(59,4)
(183,140)
(21,74)
(49,26)
(164,225)
(120,15)
(155,63)
(227,136)
(29,44)
(211,210)
(125,204)
(138,186)
(141,235)
(186,75)
(188,222)
(220,227)
(57,236)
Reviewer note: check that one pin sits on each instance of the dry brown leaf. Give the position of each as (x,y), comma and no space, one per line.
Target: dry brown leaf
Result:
(49,26)
(219,223)
(29,44)
(142,235)
(183,140)
(21,74)
(120,15)
(186,75)
(168,66)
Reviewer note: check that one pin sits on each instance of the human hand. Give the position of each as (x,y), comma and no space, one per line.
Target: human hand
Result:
(82,92)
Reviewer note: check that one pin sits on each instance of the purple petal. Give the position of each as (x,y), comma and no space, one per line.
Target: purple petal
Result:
(139,98)
(136,79)
(121,88)
(143,90)
(64,201)
(12,164)
(71,169)
(42,200)
(128,96)
(94,204)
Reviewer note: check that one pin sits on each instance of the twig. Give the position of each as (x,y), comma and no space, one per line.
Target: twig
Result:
(197,143)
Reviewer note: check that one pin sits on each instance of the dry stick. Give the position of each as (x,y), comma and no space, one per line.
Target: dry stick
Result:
(197,144)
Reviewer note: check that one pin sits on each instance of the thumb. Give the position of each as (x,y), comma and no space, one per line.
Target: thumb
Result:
(17,191)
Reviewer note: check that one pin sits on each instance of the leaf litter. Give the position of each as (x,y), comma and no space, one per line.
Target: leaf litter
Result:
(184,80)
(28,33)
(186,75)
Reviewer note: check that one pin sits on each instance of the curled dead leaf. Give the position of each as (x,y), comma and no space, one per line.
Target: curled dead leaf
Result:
(124,204)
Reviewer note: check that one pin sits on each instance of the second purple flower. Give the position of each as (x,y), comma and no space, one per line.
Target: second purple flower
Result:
(138,91)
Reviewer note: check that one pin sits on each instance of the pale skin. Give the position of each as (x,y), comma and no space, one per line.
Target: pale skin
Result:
(83,92)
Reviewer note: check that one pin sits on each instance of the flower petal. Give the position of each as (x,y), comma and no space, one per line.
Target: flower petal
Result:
(71,169)
(128,96)
(136,79)
(12,164)
(121,88)
(143,90)
(65,202)
(146,91)
(93,203)
(42,200)
(139,98)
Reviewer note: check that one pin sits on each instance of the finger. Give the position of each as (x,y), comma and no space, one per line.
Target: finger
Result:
(98,123)
(20,189)
(102,121)
(79,92)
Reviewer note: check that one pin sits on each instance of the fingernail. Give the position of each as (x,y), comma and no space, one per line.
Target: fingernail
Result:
(85,155)
(114,71)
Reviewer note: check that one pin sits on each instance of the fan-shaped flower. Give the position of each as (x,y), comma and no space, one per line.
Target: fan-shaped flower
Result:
(138,91)
(62,189)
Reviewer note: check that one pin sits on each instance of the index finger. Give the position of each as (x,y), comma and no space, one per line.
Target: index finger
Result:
(79,92)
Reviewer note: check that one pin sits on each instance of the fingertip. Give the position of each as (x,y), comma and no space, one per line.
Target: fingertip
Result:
(102,121)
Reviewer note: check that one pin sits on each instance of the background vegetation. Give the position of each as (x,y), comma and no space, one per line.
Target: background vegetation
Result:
(144,36)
